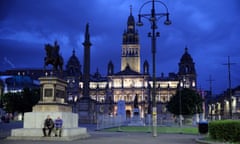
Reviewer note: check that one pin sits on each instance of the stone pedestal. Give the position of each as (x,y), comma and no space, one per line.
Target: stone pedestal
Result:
(53,90)
(87,113)
(34,122)
(52,103)
(52,107)
(36,119)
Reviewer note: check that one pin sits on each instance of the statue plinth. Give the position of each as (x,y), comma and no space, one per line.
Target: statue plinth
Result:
(53,90)
(53,103)
(87,110)
(53,96)
(52,107)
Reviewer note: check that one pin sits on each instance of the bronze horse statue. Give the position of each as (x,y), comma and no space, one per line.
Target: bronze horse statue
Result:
(53,57)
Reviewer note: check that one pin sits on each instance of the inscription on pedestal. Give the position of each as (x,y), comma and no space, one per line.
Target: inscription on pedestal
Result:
(53,90)
(48,93)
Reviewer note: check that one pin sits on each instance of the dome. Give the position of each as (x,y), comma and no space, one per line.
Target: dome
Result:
(73,60)
(73,65)
(186,57)
(186,65)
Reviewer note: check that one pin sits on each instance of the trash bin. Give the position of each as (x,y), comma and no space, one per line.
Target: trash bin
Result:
(203,127)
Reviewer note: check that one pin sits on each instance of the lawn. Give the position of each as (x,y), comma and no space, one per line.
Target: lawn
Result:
(160,129)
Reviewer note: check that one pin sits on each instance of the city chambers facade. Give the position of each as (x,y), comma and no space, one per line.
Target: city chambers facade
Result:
(132,80)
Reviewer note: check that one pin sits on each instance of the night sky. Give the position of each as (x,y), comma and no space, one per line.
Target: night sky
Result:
(209,28)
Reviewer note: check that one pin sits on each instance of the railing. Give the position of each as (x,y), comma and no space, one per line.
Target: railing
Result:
(108,121)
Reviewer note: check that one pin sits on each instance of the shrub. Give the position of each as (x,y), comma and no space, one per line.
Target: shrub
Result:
(225,130)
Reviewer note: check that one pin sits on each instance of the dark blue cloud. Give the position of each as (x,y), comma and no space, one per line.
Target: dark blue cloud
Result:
(210,29)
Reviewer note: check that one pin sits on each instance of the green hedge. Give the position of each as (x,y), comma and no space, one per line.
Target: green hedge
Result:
(225,130)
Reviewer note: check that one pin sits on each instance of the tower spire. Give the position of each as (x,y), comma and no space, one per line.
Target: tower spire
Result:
(130,9)
(86,68)
(186,49)
(73,51)
(87,36)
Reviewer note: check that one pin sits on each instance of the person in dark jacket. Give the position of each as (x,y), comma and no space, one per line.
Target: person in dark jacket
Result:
(48,125)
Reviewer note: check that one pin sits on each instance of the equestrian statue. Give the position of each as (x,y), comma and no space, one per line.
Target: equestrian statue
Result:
(53,57)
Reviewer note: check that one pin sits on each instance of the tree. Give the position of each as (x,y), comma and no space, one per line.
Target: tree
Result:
(9,102)
(191,102)
(21,101)
(30,97)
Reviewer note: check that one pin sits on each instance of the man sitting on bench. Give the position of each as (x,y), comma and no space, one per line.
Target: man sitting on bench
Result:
(48,125)
(58,127)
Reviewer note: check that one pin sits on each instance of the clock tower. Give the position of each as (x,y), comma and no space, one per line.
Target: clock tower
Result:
(130,46)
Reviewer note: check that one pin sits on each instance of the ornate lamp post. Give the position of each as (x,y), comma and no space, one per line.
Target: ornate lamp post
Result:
(180,103)
(182,86)
(153,17)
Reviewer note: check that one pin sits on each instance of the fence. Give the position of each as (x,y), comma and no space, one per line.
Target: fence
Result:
(108,121)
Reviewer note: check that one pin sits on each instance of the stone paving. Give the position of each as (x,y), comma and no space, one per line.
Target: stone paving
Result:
(100,137)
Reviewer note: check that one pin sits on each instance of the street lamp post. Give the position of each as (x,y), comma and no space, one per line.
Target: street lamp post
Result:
(180,104)
(153,17)
(182,86)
